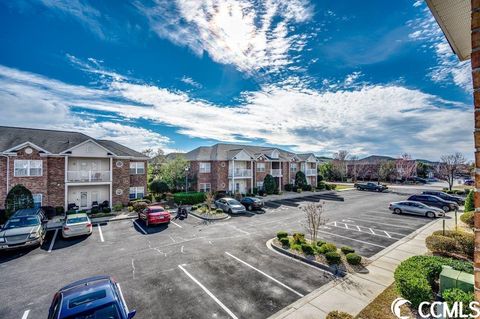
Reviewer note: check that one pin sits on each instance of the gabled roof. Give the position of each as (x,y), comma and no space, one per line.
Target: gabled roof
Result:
(55,142)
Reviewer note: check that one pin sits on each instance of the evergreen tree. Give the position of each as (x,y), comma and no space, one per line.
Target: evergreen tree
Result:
(269,184)
(300,180)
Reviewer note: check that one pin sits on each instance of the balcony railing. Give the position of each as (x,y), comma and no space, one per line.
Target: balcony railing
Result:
(240,172)
(276,172)
(310,172)
(88,176)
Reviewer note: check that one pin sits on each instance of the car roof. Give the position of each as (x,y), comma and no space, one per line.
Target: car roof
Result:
(83,287)
(27,212)
(156,207)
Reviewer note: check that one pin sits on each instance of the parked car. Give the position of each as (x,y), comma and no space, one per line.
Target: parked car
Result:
(25,228)
(419,180)
(252,203)
(154,215)
(416,208)
(434,201)
(94,297)
(76,225)
(452,198)
(230,205)
(370,186)
(469,182)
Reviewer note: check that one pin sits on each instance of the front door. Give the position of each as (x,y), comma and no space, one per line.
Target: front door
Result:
(83,199)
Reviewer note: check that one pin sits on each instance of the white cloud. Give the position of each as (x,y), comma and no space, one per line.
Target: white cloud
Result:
(252,35)
(388,119)
(190,81)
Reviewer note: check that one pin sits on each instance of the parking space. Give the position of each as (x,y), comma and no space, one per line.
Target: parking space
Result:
(191,268)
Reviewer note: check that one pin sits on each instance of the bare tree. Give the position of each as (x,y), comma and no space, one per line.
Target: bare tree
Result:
(340,163)
(406,166)
(387,170)
(354,167)
(314,218)
(450,165)
(209,199)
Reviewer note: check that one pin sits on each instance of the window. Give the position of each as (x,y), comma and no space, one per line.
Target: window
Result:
(37,200)
(205,167)
(28,168)
(260,167)
(205,187)
(137,192)
(260,185)
(137,168)
(293,167)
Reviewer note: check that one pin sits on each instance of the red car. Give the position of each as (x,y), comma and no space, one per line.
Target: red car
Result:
(154,215)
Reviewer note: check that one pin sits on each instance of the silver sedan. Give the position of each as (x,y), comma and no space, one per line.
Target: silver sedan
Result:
(76,225)
(415,208)
(230,205)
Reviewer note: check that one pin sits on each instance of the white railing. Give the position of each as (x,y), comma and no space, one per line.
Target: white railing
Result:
(240,172)
(88,176)
(276,172)
(310,172)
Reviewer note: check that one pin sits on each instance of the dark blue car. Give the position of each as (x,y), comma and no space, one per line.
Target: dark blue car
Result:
(89,298)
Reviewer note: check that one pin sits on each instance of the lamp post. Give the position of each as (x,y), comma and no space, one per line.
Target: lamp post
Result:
(186,179)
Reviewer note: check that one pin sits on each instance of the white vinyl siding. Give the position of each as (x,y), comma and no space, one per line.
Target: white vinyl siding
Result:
(24,168)
(137,168)
(205,187)
(205,167)
(260,167)
(137,192)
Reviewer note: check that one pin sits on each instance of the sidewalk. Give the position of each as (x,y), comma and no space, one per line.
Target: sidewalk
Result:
(355,291)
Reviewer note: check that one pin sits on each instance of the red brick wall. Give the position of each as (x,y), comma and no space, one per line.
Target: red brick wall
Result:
(139,180)
(260,176)
(55,182)
(220,175)
(3,181)
(285,168)
(121,181)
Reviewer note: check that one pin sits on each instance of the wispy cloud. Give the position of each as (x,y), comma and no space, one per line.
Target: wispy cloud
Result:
(252,35)
(188,80)
(369,118)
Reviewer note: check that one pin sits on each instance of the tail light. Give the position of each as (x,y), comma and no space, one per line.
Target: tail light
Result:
(66,228)
(89,225)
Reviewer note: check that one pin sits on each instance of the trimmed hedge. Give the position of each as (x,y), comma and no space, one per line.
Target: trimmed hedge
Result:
(467,218)
(190,198)
(339,315)
(469,205)
(333,257)
(440,244)
(454,294)
(465,242)
(415,276)
(308,249)
(347,250)
(285,241)
(326,248)
(282,234)
(353,258)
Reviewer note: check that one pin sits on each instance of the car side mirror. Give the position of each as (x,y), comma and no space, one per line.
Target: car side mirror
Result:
(131,314)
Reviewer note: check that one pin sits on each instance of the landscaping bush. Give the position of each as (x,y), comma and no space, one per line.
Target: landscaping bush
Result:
(269,184)
(321,185)
(18,197)
(307,249)
(326,248)
(94,210)
(339,315)
(71,211)
(307,188)
(285,241)
(469,205)
(332,257)
(194,207)
(190,198)
(219,211)
(415,276)
(139,206)
(118,207)
(262,192)
(299,190)
(288,187)
(465,242)
(347,250)
(454,294)
(298,238)
(321,242)
(353,258)
(60,210)
(440,244)
(130,209)
(282,234)
(106,210)
(467,218)
(158,187)
(300,180)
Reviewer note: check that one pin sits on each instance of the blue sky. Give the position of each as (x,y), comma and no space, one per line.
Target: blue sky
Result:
(374,77)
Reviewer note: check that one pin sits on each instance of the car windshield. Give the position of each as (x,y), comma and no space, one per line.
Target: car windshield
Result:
(74,220)
(157,210)
(233,202)
(18,222)
(108,311)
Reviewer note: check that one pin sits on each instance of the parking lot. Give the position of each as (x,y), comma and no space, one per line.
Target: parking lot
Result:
(198,269)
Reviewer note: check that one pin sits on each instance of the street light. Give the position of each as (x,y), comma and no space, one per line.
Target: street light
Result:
(186,179)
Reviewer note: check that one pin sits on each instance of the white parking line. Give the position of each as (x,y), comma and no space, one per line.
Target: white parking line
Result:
(25,314)
(51,244)
(175,224)
(240,230)
(230,313)
(367,230)
(100,232)
(266,275)
(387,234)
(349,238)
(385,224)
(138,225)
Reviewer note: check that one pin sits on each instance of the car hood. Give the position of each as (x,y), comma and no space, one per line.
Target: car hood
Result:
(19,231)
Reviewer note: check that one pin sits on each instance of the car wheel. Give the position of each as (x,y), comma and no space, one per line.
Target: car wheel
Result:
(250,208)
(446,208)
(230,211)
(397,211)
(430,214)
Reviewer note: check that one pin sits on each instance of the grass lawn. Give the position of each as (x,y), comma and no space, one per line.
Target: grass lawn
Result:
(380,306)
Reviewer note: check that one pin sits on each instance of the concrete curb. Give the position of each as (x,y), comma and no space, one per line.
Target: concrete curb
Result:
(209,219)
(333,271)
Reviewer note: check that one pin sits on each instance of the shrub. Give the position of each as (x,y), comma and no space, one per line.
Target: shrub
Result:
(118,207)
(307,249)
(300,180)
(307,188)
(158,187)
(282,234)
(467,218)
(269,184)
(298,238)
(347,250)
(71,211)
(285,241)
(288,187)
(130,209)
(454,294)
(333,186)
(94,210)
(139,206)
(353,259)
(219,211)
(332,257)
(339,315)
(326,248)
(469,205)
(440,244)
(194,207)
(255,190)
(465,242)
(321,242)
(17,198)
(106,210)
(190,198)
(299,190)
(320,185)
(60,210)
(415,276)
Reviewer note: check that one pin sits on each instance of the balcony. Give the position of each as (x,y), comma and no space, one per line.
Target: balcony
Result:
(276,172)
(311,172)
(88,176)
(240,172)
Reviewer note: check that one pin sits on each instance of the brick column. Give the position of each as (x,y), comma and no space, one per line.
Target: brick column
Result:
(475,60)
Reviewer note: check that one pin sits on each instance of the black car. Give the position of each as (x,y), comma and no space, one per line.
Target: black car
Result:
(457,199)
(252,203)
(434,201)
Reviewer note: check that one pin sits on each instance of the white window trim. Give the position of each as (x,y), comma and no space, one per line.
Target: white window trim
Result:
(293,168)
(207,167)
(41,198)
(136,191)
(203,187)
(28,168)
(261,169)
(138,168)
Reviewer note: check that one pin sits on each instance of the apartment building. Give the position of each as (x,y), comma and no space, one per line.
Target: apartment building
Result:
(239,168)
(62,168)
